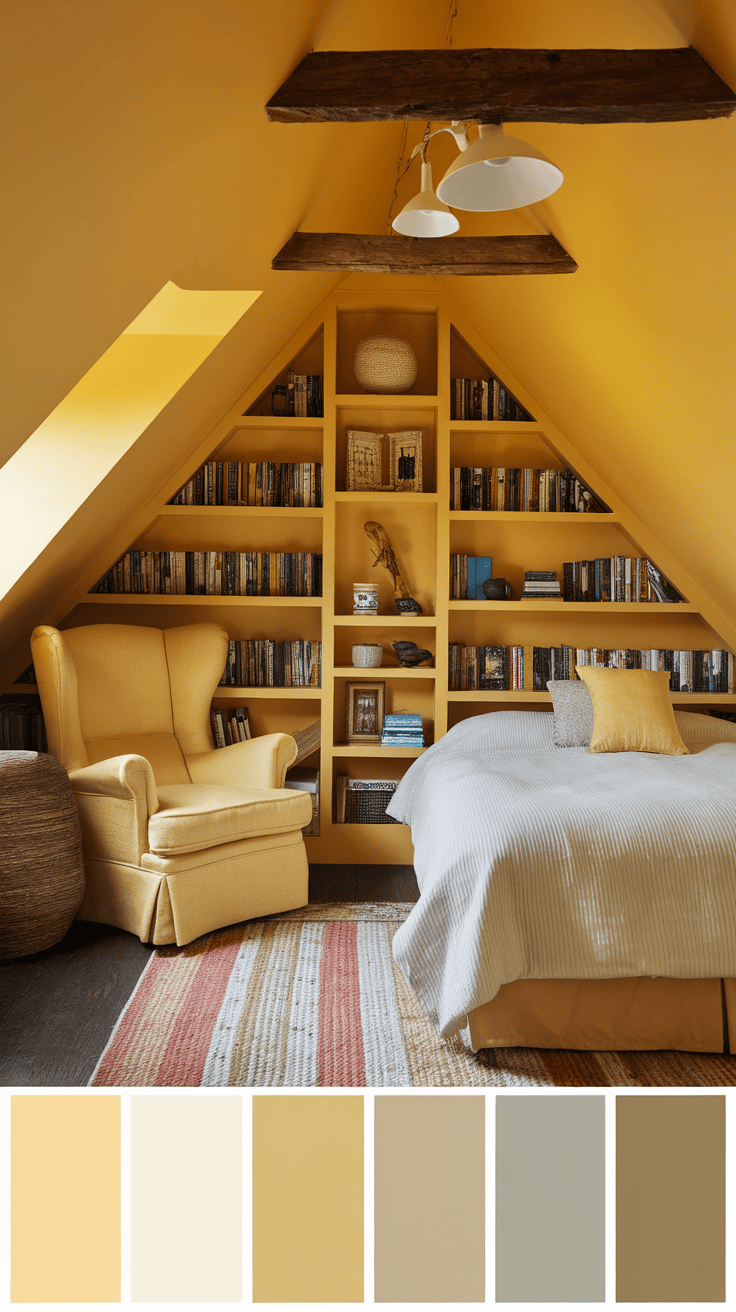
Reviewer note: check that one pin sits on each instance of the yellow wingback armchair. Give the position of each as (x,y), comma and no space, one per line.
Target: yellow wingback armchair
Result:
(178,838)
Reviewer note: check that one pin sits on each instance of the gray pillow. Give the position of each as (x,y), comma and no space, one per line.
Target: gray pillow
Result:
(573,712)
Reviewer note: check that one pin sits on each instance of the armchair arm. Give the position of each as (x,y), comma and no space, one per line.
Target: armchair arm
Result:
(114,799)
(259,763)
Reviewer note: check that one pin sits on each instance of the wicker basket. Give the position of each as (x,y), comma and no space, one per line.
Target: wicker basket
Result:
(385,364)
(367,655)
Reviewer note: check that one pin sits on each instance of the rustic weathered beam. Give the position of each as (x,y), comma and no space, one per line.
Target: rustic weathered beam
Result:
(505,86)
(319,252)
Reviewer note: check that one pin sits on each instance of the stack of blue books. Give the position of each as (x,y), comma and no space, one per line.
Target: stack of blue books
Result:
(403,729)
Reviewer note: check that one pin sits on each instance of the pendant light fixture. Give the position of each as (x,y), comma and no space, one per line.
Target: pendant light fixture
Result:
(425,215)
(497,172)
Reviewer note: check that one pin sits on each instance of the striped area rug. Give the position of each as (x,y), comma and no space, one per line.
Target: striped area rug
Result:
(312,998)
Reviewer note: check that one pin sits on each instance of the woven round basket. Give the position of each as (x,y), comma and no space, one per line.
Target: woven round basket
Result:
(367,655)
(41,869)
(385,364)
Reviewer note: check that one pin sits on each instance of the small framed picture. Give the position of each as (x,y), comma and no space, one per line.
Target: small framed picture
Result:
(364,709)
(406,461)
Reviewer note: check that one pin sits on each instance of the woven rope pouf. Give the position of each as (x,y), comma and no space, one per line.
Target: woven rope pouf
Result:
(41,869)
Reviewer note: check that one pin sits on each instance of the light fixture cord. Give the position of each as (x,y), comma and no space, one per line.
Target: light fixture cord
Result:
(421,149)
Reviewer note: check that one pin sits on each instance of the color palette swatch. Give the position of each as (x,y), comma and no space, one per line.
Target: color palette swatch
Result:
(670,1199)
(65,1214)
(308,1189)
(149,1197)
(186,1182)
(429,1188)
(550,1197)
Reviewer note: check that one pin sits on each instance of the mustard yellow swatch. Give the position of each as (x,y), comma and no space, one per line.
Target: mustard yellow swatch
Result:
(65,1198)
(308,1199)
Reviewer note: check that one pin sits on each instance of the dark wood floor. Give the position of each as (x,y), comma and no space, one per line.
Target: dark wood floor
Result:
(58,1008)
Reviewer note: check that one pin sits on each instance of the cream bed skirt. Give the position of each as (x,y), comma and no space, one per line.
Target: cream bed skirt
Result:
(608,1015)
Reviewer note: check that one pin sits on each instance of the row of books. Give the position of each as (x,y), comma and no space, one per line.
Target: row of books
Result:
(690,671)
(499,488)
(216,573)
(272,663)
(254,483)
(488,669)
(21,725)
(484,398)
(230,726)
(298,395)
(402,729)
(467,576)
(616,578)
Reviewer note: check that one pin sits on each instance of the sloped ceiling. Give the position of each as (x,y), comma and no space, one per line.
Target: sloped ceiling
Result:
(139,152)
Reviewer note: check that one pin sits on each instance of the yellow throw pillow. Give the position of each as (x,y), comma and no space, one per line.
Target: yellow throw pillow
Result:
(632,711)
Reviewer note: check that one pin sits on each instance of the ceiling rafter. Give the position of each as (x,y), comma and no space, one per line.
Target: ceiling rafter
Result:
(509,86)
(313,252)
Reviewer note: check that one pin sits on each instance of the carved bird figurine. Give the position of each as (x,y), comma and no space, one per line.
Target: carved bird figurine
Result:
(409,654)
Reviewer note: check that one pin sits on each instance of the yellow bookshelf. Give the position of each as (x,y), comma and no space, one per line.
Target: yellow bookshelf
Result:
(423,532)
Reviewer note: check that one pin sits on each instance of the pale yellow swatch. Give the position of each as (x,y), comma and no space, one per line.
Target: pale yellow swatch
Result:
(65,1198)
(308,1199)
(186,1198)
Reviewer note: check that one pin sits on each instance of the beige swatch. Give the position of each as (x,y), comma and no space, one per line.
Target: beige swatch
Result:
(429,1199)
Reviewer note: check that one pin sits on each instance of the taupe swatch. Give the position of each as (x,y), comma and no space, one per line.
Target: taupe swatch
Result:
(550,1199)
(429,1181)
(670,1199)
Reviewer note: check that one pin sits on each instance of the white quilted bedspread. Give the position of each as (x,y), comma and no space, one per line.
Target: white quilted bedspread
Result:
(537,862)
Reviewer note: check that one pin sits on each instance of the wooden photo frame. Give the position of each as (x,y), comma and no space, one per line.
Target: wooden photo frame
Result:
(369,462)
(406,461)
(364,710)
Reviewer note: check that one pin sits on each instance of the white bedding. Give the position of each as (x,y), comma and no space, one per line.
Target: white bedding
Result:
(537,862)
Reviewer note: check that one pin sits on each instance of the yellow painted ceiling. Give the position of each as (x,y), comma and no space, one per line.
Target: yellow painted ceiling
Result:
(139,153)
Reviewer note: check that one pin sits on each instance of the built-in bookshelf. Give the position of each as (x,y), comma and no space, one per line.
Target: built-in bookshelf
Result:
(227,501)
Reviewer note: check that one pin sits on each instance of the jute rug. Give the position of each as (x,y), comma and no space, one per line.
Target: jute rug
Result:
(312,998)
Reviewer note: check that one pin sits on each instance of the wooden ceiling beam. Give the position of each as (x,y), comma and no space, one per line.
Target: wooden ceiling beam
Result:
(502,86)
(338,252)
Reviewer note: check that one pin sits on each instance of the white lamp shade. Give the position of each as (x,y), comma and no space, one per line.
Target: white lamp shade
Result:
(498,173)
(425,215)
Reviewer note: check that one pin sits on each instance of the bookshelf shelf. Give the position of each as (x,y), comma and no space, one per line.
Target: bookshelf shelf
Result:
(376,751)
(424,532)
(232,512)
(540,518)
(581,607)
(383,672)
(254,690)
(387,621)
(189,599)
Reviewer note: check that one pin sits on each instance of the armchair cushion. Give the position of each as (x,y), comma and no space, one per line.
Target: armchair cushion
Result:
(192,817)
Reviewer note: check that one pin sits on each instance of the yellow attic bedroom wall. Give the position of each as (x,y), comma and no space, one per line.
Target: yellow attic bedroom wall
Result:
(139,150)
(72,455)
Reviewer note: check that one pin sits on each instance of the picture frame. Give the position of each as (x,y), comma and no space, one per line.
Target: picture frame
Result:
(364,711)
(385,462)
(369,462)
(406,461)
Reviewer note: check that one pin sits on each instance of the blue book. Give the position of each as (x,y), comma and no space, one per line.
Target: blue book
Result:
(480,568)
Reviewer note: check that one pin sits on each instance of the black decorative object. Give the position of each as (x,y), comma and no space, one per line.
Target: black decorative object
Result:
(409,654)
(497,590)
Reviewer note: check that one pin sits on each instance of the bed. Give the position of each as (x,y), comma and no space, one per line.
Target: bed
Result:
(569,899)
